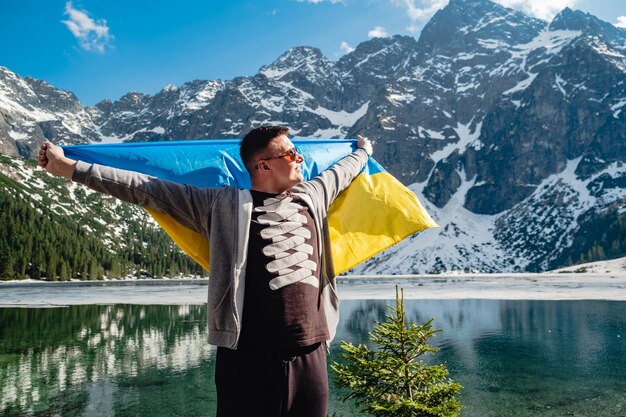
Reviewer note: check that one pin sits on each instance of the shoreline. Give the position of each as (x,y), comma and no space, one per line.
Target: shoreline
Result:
(451,276)
(514,286)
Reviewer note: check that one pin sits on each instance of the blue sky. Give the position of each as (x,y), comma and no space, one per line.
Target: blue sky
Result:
(104,49)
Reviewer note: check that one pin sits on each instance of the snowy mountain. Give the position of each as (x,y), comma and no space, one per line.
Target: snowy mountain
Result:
(510,129)
(54,229)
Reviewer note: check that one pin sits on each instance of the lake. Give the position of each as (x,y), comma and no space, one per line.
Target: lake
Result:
(514,358)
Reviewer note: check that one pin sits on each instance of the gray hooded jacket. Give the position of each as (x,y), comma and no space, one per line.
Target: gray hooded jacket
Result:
(222,215)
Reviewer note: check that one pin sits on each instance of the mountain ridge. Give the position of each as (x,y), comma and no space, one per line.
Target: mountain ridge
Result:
(493,118)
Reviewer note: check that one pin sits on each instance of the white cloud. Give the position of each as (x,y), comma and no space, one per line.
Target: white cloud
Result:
(345,46)
(93,35)
(378,32)
(419,11)
(621,22)
(543,9)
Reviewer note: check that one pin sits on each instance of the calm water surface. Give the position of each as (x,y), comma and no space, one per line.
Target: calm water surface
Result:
(514,358)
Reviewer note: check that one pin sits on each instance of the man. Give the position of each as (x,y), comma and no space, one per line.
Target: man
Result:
(272,302)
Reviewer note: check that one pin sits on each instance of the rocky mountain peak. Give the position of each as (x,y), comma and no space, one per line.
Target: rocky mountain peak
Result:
(462,23)
(375,56)
(131,102)
(5,72)
(569,19)
(133,97)
(588,24)
(41,87)
(34,94)
(169,88)
(104,105)
(512,134)
(464,4)
(461,13)
(392,43)
(11,83)
(303,59)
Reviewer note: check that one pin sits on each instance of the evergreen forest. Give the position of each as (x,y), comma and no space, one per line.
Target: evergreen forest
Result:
(38,243)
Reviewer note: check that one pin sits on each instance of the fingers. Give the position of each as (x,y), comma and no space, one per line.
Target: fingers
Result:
(42,159)
(366,144)
(362,139)
(43,154)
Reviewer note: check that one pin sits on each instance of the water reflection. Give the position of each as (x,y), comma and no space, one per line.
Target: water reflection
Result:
(521,357)
(513,357)
(46,351)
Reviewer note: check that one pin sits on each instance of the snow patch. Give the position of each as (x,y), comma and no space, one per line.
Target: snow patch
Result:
(467,137)
(401,98)
(553,41)
(119,139)
(18,135)
(488,20)
(203,97)
(430,134)
(522,85)
(328,133)
(341,118)
(617,107)
(560,83)
(492,43)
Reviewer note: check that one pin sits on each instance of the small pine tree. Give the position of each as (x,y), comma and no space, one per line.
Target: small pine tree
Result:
(65,274)
(392,381)
(93,270)
(116,269)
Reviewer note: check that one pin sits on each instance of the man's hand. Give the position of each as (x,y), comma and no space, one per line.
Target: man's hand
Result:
(52,159)
(365,144)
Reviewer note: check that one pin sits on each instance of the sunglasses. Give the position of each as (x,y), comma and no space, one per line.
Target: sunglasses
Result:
(291,155)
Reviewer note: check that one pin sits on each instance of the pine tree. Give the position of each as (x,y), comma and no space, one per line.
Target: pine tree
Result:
(93,270)
(64,274)
(173,269)
(52,265)
(392,380)
(36,242)
(7,261)
(116,269)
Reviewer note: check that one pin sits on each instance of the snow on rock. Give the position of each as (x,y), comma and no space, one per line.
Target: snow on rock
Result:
(617,107)
(192,100)
(341,118)
(401,98)
(612,266)
(463,241)
(522,85)
(549,216)
(467,137)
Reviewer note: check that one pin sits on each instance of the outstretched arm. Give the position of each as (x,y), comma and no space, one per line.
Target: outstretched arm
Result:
(326,186)
(188,205)
(53,159)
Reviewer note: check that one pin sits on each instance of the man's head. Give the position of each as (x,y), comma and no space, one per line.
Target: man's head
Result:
(269,157)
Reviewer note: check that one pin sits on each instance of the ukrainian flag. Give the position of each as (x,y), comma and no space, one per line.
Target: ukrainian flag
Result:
(375,212)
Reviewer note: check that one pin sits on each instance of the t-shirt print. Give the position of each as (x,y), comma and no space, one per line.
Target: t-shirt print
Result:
(287,232)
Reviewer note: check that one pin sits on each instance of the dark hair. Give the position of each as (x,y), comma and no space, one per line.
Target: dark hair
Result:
(257,140)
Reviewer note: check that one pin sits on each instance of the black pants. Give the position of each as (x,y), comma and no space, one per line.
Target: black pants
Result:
(272,382)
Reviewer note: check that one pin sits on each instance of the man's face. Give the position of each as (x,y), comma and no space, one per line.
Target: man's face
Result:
(285,172)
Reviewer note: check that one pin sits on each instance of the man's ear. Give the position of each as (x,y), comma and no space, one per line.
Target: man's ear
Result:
(263,166)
